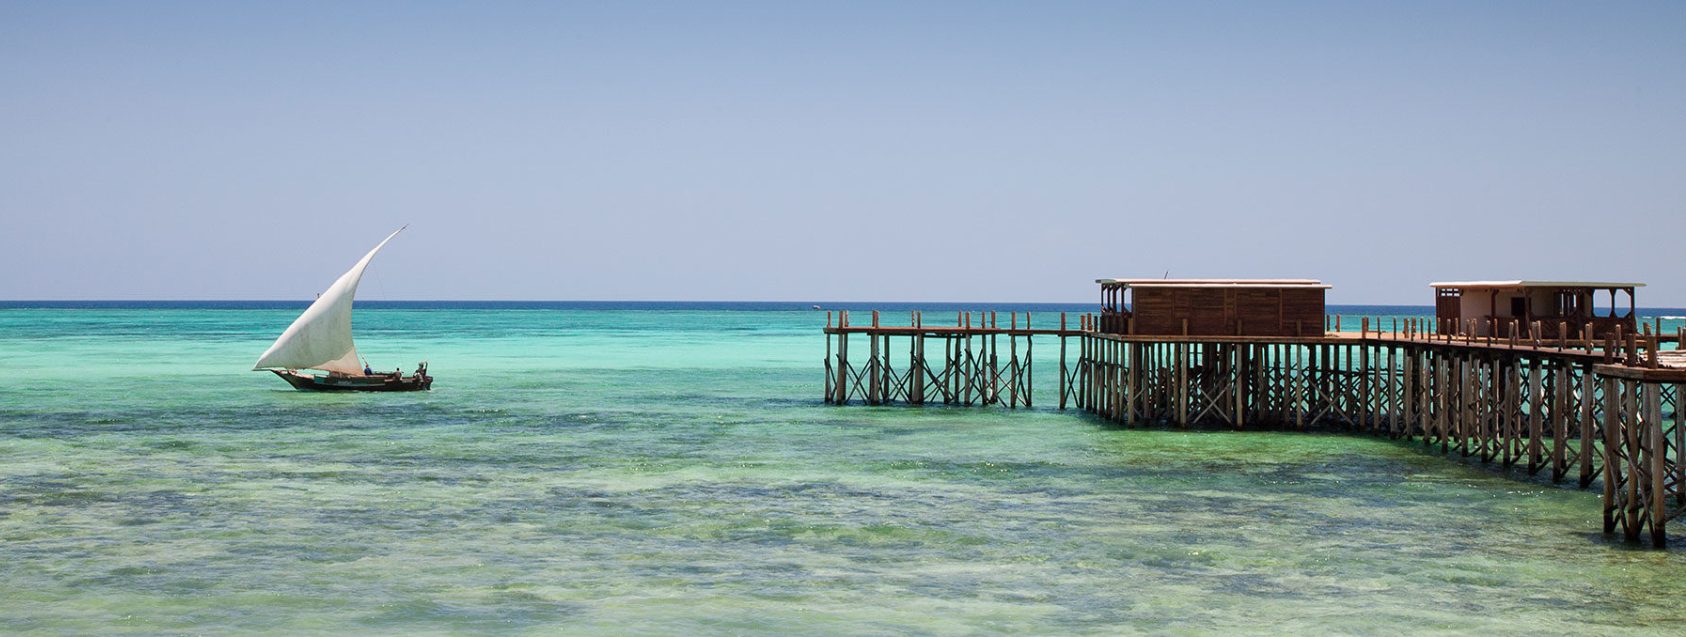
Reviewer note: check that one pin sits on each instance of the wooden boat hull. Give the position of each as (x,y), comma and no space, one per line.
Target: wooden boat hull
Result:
(387,382)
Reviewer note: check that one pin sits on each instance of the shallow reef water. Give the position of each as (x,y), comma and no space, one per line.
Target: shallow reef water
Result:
(671,470)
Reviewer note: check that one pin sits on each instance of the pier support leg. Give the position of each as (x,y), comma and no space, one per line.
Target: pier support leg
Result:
(843,374)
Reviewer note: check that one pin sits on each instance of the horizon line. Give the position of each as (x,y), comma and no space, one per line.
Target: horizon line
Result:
(512,300)
(822,303)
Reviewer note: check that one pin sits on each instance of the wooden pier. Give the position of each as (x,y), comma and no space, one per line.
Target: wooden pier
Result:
(1592,410)
(973,369)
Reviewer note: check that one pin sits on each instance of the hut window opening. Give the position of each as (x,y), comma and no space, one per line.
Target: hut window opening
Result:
(1568,303)
(1617,309)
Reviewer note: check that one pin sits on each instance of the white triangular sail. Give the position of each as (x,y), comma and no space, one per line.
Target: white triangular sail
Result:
(320,338)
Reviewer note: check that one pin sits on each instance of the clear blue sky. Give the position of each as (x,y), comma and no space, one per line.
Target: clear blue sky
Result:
(835,151)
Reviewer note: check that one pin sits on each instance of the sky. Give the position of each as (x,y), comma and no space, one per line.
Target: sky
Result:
(840,151)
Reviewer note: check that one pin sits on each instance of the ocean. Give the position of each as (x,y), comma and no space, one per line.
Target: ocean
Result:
(670,469)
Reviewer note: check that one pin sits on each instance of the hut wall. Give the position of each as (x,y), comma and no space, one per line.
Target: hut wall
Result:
(1156,311)
(1207,310)
(1302,312)
(1484,305)
(1216,311)
(1448,307)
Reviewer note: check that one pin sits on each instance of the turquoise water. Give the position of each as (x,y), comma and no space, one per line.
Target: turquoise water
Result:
(672,471)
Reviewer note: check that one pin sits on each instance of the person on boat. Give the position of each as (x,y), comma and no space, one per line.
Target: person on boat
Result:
(366,370)
(421,370)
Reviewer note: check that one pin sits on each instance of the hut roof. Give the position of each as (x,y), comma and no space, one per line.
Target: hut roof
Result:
(1215,283)
(1483,285)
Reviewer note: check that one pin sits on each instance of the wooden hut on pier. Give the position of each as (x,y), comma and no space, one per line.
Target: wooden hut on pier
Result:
(1533,309)
(1212,307)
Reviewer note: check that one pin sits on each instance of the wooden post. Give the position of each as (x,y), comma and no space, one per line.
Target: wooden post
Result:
(1181,391)
(1635,469)
(1536,414)
(1296,379)
(1407,393)
(1116,378)
(842,386)
(1365,422)
(994,362)
(1653,342)
(916,366)
(1399,394)
(1621,339)
(1442,366)
(1132,364)
(1062,384)
(1679,445)
(874,386)
(1013,364)
(1656,462)
(1080,387)
(1029,364)
(1103,372)
(1612,449)
(1629,497)
(1589,388)
(1471,405)
(1447,386)
(1237,390)
(1559,421)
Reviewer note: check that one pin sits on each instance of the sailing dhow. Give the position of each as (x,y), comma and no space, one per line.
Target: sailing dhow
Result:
(320,339)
